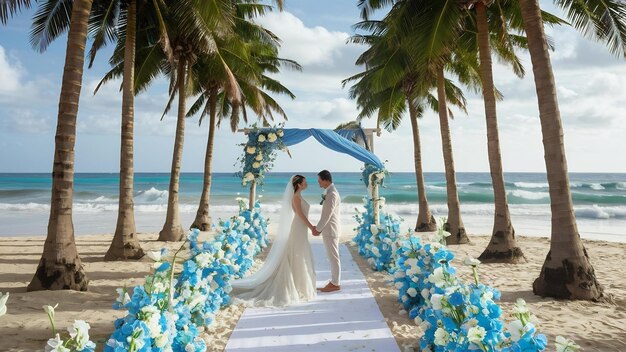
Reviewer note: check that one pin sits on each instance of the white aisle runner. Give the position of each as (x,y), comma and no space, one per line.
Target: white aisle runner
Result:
(348,320)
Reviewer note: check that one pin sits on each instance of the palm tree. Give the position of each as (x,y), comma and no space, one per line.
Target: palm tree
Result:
(194,33)
(391,83)
(60,266)
(231,97)
(567,271)
(125,244)
(8,8)
(491,24)
(502,247)
(231,79)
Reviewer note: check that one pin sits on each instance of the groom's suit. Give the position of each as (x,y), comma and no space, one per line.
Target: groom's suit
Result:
(330,228)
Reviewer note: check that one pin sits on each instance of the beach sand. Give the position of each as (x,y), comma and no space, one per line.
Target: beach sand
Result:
(25,327)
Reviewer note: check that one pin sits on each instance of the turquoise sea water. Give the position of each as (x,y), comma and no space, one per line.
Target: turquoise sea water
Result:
(599,199)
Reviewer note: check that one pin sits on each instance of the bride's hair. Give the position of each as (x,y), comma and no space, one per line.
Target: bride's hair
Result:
(296,180)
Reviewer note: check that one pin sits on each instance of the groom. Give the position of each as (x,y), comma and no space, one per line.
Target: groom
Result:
(329,227)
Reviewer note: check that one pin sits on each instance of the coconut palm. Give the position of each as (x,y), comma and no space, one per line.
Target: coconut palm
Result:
(408,23)
(193,32)
(60,266)
(567,271)
(8,8)
(502,247)
(125,244)
(488,29)
(390,84)
(251,52)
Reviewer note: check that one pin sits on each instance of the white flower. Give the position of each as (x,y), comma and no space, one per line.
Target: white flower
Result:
(80,333)
(251,150)
(414,271)
(256,165)
(399,285)
(565,345)
(425,293)
(476,335)
(411,292)
(245,238)
(272,137)
(399,274)
(256,223)
(469,260)
(3,303)
(154,255)
(374,229)
(441,337)
(50,310)
(204,259)
(437,277)
(123,296)
(161,340)
(520,307)
(189,347)
(261,138)
(280,133)
(435,300)
(259,157)
(158,287)
(375,251)
(55,345)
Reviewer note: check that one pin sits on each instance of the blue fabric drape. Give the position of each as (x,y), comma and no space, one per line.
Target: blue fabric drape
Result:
(332,140)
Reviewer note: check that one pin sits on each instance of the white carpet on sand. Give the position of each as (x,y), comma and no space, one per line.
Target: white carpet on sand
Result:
(349,320)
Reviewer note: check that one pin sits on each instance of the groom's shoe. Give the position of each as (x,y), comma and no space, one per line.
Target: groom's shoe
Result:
(330,288)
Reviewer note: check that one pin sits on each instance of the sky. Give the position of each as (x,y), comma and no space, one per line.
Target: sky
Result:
(314,33)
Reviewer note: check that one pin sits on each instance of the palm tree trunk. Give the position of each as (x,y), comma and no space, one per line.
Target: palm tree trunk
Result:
(502,247)
(425,219)
(203,220)
(567,271)
(60,266)
(454,223)
(125,244)
(172,229)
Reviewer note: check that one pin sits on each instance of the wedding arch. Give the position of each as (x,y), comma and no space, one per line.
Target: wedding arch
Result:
(263,144)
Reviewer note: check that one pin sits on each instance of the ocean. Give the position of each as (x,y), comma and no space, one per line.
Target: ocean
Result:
(599,199)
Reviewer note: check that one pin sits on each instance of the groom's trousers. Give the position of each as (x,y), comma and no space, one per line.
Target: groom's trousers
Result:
(332,250)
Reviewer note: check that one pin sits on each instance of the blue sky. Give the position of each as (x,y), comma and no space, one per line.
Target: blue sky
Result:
(589,80)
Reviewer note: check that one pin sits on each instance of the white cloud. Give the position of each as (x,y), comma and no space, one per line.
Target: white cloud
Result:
(307,45)
(10,74)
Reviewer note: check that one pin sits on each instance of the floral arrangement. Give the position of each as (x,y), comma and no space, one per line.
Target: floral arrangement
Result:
(253,224)
(368,170)
(169,310)
(377,243)
(78,339)
(259,153)
(456,316)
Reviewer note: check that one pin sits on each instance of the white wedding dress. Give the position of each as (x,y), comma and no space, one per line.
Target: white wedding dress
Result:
(288,274)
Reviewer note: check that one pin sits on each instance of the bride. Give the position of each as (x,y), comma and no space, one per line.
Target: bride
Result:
(288,274)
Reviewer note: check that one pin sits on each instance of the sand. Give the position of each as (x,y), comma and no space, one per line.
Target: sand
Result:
(25,327)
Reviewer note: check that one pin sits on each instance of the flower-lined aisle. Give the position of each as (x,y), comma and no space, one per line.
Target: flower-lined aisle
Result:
(169,310)
(452,315)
